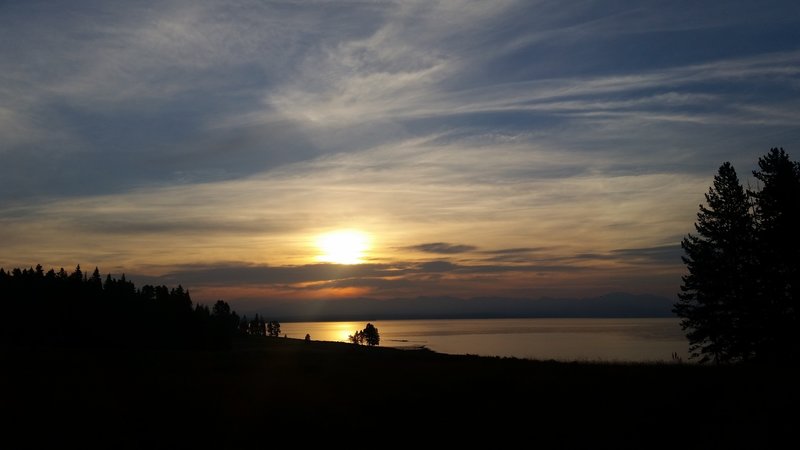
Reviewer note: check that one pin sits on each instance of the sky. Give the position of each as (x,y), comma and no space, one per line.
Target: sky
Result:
(289,150)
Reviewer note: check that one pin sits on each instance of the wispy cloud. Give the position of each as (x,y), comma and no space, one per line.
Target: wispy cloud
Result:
(275,217)
(528,146)
(665,254)
(443,248)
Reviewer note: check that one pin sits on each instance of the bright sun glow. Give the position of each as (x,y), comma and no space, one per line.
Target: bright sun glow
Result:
(343,247)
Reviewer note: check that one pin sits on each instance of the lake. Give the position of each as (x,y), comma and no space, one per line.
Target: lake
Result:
(641,339)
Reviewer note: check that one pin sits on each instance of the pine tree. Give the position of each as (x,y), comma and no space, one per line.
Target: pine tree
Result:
(778,237)
(715,303)
(739,300)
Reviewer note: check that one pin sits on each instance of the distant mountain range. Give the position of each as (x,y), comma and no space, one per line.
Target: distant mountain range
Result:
(609,305)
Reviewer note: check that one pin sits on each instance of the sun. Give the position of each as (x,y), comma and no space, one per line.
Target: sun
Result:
(343,247)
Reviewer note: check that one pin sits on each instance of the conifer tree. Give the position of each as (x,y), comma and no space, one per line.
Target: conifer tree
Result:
(777,215)
(739,299)
(713,295)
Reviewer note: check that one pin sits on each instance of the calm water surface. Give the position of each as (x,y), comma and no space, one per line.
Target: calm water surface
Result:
(561,339)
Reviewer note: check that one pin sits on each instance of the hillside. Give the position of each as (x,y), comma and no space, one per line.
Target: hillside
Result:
(265,388)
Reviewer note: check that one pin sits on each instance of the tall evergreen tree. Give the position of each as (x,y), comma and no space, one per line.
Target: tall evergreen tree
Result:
(778,219)
(739,300)
(716,296)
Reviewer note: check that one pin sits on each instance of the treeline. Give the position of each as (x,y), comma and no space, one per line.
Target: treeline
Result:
(79,309)
(740,300)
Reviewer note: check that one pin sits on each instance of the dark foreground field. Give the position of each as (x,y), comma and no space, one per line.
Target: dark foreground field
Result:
(274,392)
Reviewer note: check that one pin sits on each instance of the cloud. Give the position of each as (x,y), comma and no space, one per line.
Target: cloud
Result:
(247,274)
(437,267)
(18,128)
(344,275)
(199,91)
(111,98)
(260,283)
(432,191)
(442,248)
(398,64)
(115,225)
(373,284)
(571,139)
(514,255)
(665,254)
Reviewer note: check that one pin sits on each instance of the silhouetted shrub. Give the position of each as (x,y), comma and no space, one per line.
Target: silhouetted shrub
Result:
(371,335)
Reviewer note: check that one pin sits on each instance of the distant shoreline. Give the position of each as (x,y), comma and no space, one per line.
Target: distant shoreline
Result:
(614,305)
(456,317)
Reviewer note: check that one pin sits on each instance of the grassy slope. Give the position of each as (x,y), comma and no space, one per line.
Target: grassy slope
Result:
(265,389)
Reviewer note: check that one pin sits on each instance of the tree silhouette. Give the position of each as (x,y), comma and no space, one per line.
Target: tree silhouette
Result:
(221,309)
(717,258)
(257,327)
(273,328)
(224,321)
(61,309)
(356,338)
(777,214)
(371,335)
(243,324)
(738,301)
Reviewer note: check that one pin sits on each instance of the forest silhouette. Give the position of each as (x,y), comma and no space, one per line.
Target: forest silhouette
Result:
(79,309)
